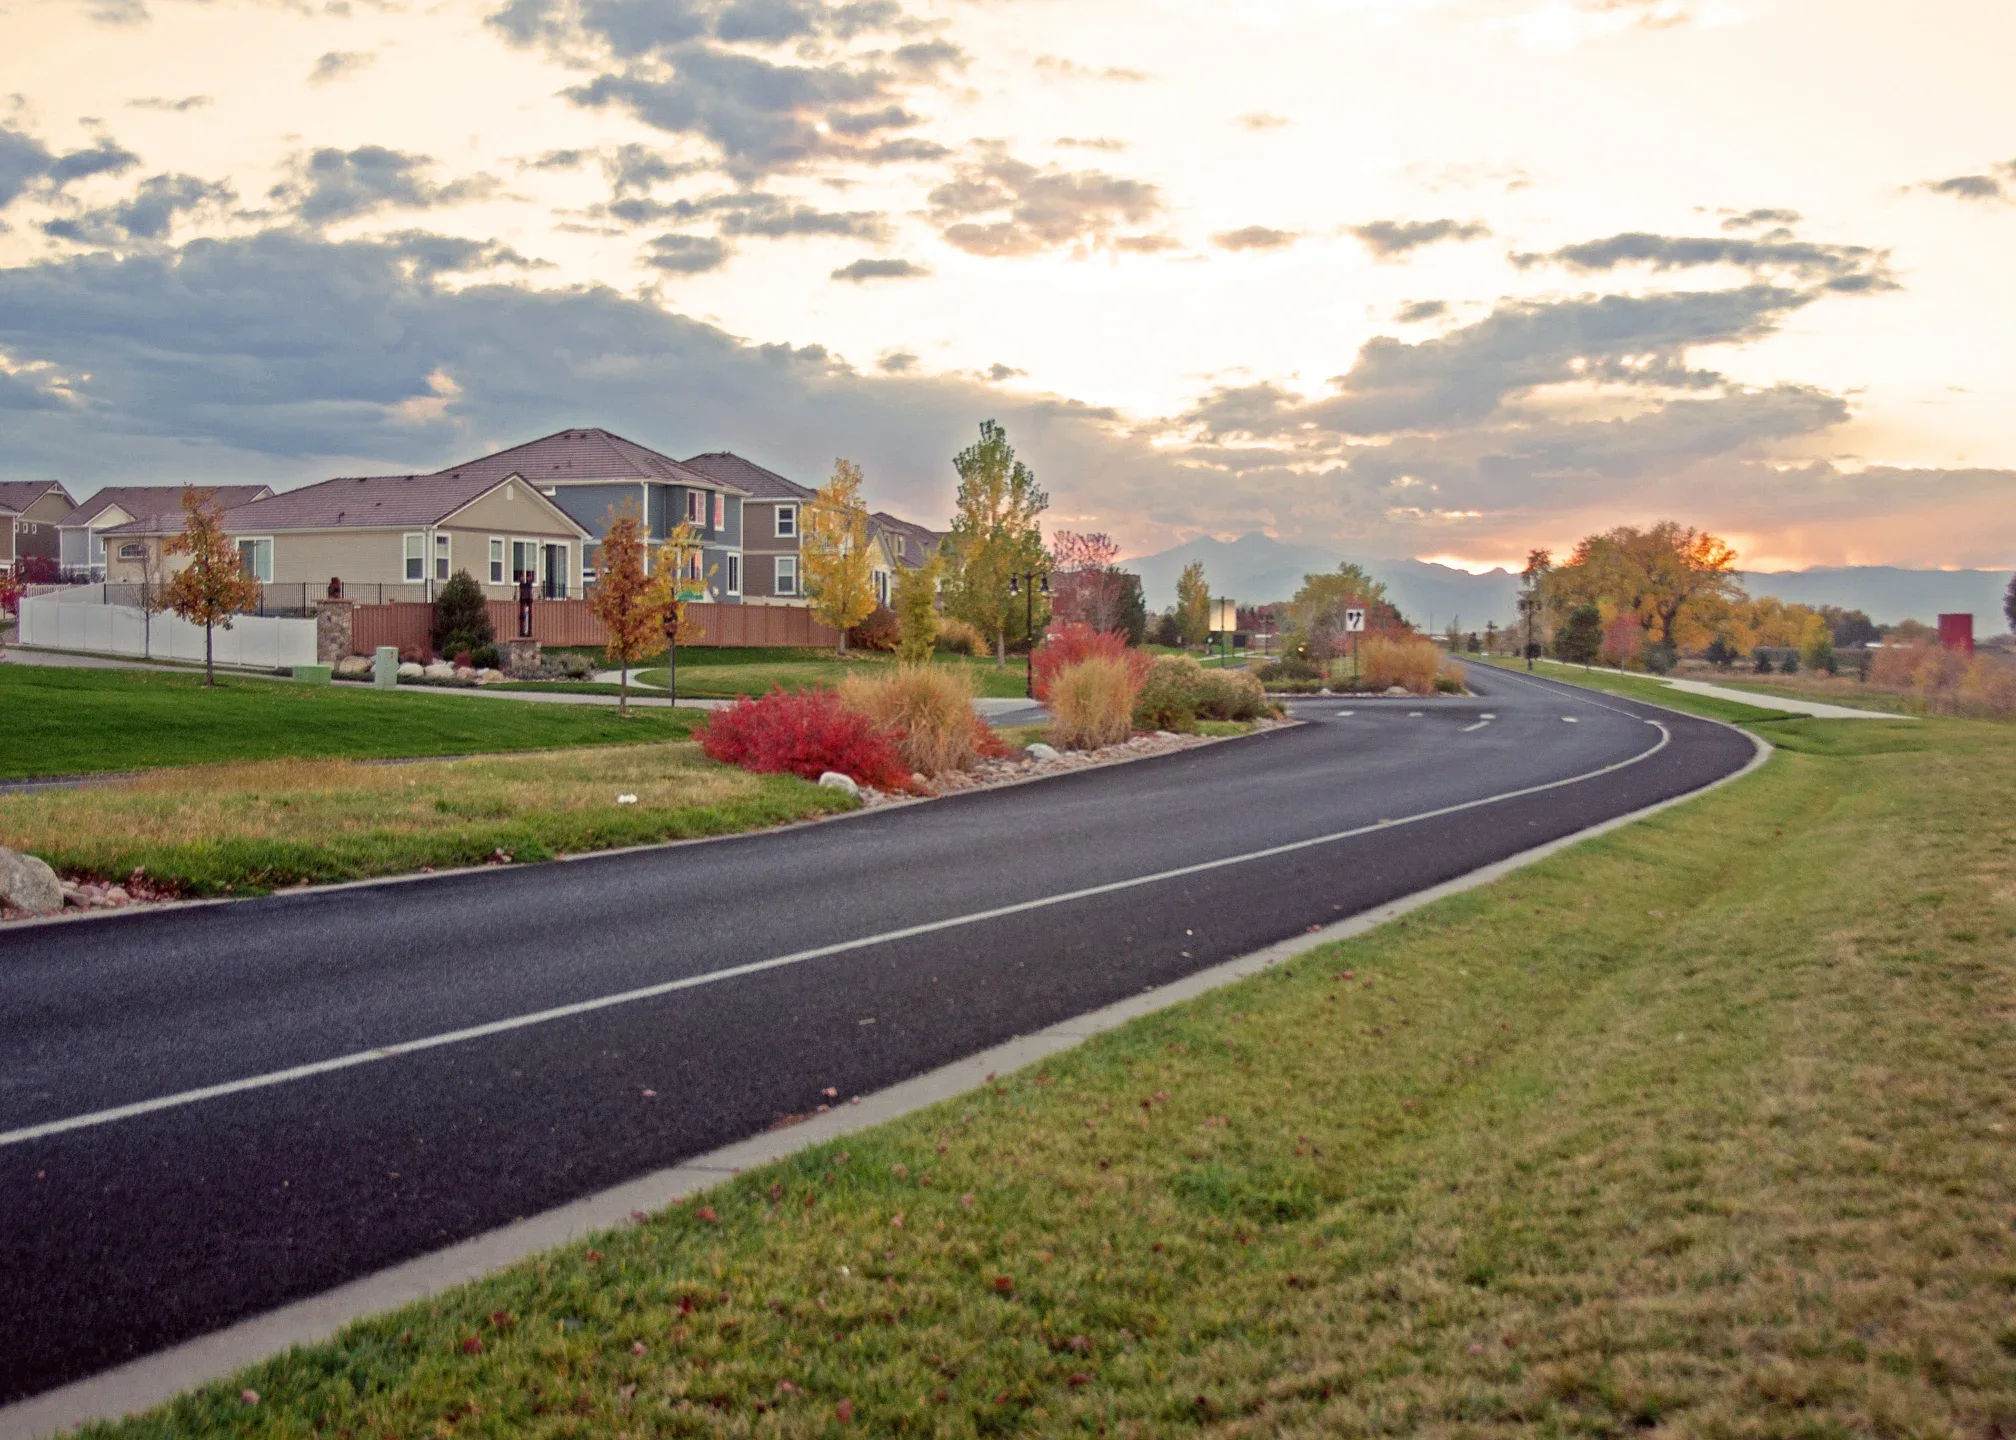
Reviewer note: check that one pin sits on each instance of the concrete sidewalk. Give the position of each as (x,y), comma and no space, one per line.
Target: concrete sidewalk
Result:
(1819,709)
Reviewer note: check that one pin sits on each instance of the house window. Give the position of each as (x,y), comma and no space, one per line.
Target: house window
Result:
(695,514)
(524,560)
(720,510)
(255,557)
(882,587)
(132,550)
(734,574)
(787,574)
(416,557)
(787,522)
(440,557)
(496,561)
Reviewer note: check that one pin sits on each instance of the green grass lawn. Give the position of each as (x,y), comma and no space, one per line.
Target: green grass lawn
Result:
(754,672)
(63,721)
(251,826)
(1707,1126)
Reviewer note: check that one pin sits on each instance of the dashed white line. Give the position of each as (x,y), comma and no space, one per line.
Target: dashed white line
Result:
(733,972)
(1478,726)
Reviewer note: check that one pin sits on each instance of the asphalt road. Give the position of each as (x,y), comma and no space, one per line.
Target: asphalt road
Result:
(124,1235)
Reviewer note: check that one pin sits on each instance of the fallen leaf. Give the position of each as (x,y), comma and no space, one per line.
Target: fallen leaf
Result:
(1004,1285)
(250,1397)
(707,1216)
(638,1347)
(473,1345)
(845,1410)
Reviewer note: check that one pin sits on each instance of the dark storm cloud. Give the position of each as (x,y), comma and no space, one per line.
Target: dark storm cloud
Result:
(1387,239)
(997,205)
(329,185)
(866,269)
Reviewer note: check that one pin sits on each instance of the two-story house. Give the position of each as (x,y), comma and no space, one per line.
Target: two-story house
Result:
(29,513)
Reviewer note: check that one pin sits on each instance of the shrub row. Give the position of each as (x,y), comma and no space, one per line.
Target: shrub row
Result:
(1178,692)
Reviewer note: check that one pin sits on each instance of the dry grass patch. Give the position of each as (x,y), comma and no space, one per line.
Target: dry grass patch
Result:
(210,828)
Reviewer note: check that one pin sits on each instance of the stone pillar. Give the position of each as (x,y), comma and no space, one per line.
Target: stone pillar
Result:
(332,630)
(521,658)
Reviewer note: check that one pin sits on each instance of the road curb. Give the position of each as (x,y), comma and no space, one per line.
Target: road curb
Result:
(144,1383)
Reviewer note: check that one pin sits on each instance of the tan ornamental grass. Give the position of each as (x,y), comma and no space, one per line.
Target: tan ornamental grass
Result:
(1388,660)
(1092,704)
(927,710)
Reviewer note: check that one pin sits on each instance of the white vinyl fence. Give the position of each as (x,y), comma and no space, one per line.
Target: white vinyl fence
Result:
(73,619)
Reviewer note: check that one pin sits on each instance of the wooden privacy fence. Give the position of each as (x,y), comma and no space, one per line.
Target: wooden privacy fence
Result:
(405,625)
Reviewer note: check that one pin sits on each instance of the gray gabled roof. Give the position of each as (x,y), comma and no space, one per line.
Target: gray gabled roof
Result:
(17,495)
(913,543)
(746,475)
(144,502)
(362,502)
(583,455)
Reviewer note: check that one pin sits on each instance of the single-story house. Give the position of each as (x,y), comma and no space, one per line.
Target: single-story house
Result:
(29,513)
(82,529)
(401,534)
(588,473)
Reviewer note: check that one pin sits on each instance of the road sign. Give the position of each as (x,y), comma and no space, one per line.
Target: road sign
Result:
(1224,616)
(1354,621)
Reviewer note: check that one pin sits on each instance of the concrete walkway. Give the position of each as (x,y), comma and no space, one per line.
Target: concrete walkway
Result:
(1794,704)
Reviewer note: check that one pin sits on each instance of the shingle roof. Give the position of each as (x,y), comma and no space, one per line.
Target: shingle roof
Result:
(732,469)
(913,543)
(582,455)
(144,502)
(18,495)
(354,502)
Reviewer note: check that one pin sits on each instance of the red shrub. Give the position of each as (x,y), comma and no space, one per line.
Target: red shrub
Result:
(877,631)
(10,594)
(1069,644)
(804,733)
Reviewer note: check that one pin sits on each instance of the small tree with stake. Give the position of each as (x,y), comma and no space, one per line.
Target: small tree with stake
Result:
(213,586)
(630,604)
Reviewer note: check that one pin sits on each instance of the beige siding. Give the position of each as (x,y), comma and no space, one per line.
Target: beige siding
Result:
(520,512)
(356,557)
(134,572)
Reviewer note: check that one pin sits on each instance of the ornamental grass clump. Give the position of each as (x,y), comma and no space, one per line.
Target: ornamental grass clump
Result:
(1387,660)
(1092,703)
(803,733)
(926,712)
(1068,644)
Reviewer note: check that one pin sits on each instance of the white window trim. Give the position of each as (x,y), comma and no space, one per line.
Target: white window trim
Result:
(500,561)
(733,572)
(780,566)
(444,556)
(413,550)
(787,522)
(718,509)
(255,541)
(696,508)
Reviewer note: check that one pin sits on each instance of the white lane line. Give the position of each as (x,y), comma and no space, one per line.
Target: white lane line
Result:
(1478,726)
(1342,713)
(1570,720)
(756,967)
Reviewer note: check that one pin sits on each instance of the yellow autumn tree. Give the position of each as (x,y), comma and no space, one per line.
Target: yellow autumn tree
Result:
(629,601)
(839,566)
(1670,576)
(214,585)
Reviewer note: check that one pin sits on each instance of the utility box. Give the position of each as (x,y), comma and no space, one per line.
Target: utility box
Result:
(1956,632)
(385,667)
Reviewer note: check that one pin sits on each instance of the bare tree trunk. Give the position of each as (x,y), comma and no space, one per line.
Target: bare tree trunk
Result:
(209,667)
(1001,648)
(623,691)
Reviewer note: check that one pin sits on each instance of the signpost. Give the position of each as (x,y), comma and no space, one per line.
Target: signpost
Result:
(1225,620)
(1354,626)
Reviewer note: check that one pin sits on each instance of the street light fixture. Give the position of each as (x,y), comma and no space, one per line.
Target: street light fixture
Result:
(1028,584)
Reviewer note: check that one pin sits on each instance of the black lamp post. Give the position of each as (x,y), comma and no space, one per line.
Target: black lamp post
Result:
(1027,584)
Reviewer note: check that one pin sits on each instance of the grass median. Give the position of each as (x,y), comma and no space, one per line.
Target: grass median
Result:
(58,720)
(239,829)
(1708,1124)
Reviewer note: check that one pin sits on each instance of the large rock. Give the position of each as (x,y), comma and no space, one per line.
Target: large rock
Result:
(410,671)
(354,666)
(29,884)
(439,670)
(834,780)
(1040,751)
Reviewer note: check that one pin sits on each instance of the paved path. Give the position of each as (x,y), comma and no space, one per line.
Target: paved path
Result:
(333,1082)
(1792,704)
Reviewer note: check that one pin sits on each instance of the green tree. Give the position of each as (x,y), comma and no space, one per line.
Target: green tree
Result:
(1316,614)
(917,610)
(1193,604)
(2009,602)
(994,539)
(1133,609)
(214,585)
(461,616)
(1580,639)
(839,565)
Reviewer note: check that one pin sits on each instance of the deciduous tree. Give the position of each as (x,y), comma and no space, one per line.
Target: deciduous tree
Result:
(214,585)
(834,551)
(1661,575)
(1193,604)
(917,610)
(995,538)
(630,602)
(1086,587)
(1316,614)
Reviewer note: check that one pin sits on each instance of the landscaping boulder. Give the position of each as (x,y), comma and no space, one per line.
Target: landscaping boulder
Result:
(410,671)
(354,667)
(1040,751)
(1400,690)
(834,780)
(439,670)
(27,883)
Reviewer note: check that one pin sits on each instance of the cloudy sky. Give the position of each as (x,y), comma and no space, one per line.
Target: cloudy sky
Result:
(1441,278)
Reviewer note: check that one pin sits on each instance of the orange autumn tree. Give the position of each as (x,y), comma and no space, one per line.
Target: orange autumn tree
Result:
(1672,578)
(629,601)
(213,586)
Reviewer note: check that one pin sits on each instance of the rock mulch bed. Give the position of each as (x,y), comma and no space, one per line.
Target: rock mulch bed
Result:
(990,774)
(136,889)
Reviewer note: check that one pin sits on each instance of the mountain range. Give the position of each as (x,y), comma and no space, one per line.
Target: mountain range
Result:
(1255,569)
